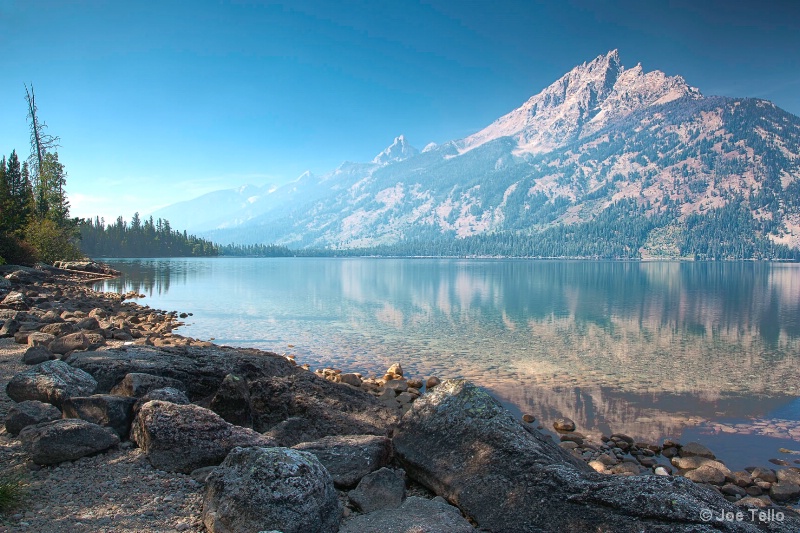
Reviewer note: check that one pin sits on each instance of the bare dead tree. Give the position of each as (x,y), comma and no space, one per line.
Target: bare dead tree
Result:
(41,145)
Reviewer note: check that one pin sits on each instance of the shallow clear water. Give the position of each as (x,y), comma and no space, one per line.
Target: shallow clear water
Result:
(650,349)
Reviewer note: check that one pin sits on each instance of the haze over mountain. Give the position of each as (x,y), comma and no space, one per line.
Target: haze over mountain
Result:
(606,161)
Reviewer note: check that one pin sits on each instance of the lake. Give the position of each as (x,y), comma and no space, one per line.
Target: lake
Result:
(696,351)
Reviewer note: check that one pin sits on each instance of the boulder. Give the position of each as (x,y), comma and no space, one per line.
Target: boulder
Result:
(68,343)
(324,407)
(460,443)
(348,458)
(414,515)
(259,489)
(58,329)
(137,384)
(232,401)
(200,369)
(167,394)
(15,300)
(182,438)
(50,382)
(37,354)
(65,440)
(37,338)
(88,323)
(382,489)
(115,412)
(29,413)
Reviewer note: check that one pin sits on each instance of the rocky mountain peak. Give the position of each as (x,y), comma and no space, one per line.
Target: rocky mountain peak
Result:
(580,103)
(397,151)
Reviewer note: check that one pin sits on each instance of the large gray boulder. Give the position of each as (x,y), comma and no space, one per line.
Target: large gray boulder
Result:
(114,412)
(462,444)
(182,438)
(50,382)
(29,413)
(65,440)
(258,489)
(348,458)
(414,515)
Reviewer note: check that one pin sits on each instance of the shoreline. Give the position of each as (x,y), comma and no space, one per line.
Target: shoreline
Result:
(616,455)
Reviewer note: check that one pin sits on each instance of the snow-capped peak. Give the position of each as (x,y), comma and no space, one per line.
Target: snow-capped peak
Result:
(580,103)
(397,151)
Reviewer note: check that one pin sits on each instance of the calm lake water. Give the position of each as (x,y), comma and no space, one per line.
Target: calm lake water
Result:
(698,351)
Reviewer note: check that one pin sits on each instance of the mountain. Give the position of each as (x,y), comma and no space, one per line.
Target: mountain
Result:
(605,162)
(399,150)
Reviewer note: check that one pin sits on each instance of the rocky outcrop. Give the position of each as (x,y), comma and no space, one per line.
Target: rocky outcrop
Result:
(260,489)
(50,382)
(319,408)
(114,412)
(459,442)
(201,369)
(182,438)
(29,413)
(348,458)
(65,440)
(415,514)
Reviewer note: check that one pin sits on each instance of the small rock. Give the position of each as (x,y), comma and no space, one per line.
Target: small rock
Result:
(528,419)
(696,449)
(431,382)
(564,424)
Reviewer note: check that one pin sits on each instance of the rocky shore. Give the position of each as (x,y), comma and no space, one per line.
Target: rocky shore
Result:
(118,423)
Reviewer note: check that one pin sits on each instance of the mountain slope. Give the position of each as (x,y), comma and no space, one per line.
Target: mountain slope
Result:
(606,158)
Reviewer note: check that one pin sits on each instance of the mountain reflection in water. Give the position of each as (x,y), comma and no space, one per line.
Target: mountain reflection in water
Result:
(646,349)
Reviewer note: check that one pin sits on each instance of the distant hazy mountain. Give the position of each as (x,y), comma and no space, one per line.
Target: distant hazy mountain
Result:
(606,161)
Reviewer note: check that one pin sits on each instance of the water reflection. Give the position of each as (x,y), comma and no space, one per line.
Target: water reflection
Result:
(643,348)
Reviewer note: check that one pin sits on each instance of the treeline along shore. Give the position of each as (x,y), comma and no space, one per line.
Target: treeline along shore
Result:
(115,422)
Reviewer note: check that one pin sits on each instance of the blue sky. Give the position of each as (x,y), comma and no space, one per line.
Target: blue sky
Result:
(157,102)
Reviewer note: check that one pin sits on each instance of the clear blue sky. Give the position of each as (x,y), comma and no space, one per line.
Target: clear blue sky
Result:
(157,102)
